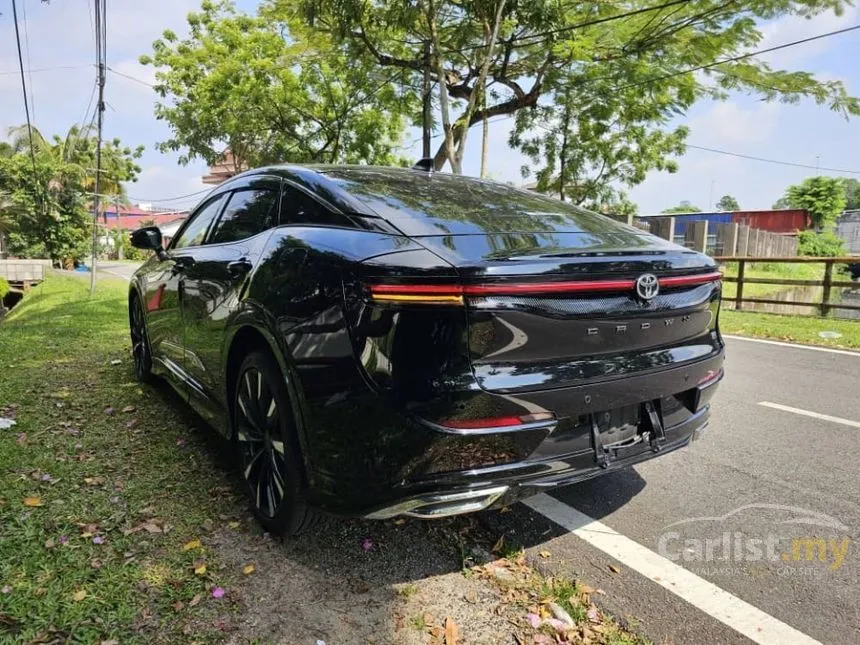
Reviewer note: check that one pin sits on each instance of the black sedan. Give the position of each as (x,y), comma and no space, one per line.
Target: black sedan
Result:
(382,342)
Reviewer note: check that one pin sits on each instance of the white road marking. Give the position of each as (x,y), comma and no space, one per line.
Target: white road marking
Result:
(730,610)
(117,275)
(808,413)
(844,352)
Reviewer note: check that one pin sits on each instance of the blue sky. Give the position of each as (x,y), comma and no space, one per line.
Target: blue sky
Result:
(60,34)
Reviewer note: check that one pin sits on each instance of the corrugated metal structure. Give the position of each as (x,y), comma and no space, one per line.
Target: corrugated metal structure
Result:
(848,228)
(782,221)
(786,221)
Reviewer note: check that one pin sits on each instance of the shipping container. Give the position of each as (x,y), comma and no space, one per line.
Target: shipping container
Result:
(781,221)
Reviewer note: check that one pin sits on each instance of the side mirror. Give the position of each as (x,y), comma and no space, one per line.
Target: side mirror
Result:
(149,238)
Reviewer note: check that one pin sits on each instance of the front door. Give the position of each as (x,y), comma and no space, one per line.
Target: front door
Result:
(163,293)
(214,283)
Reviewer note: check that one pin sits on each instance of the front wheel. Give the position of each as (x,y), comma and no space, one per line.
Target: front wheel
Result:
(141,351)
(264,435)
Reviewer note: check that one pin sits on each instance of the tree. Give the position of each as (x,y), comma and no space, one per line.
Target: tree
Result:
(545,56)
(823,197)
(781,204)
(728,203)
(47,211)
(683,207)
(619,207)
(852,194)
(269,89)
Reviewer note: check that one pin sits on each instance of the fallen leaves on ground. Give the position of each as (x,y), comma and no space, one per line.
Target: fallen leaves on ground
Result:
(200,569)
(129,408)
(614,569)
(33,501)
(544,554)
(248,569)
(192,544)
(79,595)
(451,631)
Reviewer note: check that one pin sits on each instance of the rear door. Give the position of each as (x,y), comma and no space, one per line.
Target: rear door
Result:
(214,282)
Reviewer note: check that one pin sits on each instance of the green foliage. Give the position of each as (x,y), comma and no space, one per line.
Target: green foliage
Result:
(130,252)
(4,289)
(605,94)
(728,203)
(269,89)
(47,212)
(823,197)
(618,208)
(684,207)
(782,203)
(852,194)
(823,244)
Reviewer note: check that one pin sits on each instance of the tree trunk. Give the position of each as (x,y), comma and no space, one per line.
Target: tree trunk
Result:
(448,143)
(479,84)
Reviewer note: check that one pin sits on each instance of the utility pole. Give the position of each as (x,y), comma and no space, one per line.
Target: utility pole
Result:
(100,108)
(425,153)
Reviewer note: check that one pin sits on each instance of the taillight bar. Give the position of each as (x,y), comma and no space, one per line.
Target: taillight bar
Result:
(498,424)
(454,293)
(683,280)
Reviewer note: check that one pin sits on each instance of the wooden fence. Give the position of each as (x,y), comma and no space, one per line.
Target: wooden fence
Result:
(827,284)
(726,238)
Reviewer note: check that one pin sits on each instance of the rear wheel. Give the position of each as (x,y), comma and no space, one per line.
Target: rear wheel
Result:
(264,434)
(141,351)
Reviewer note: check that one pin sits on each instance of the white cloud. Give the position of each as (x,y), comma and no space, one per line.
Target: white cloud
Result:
(730,122)
(794,28)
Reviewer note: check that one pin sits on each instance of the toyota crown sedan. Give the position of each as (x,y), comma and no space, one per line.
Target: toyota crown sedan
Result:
(380,342)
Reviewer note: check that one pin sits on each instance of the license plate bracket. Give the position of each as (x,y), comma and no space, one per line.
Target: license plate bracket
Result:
(623,428)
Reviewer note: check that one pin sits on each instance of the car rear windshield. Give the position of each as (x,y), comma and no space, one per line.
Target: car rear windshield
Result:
(420,203)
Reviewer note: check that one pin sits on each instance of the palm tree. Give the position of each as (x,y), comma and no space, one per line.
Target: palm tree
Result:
(75,153)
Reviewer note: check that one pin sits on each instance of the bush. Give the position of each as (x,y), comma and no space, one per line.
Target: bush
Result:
(824,244)
(4,287)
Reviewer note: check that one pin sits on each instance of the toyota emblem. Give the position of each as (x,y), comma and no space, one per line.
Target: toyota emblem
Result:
(647,286)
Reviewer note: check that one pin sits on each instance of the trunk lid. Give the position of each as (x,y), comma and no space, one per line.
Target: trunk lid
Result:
(531,328)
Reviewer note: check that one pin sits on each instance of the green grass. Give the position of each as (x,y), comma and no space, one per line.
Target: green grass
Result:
(799,329)
(779,271)
(99,475)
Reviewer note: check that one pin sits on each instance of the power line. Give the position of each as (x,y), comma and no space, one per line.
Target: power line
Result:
(101,61)
(131,78)
(24,88)
(735,59)
(774,161)
(170,199)
(46,69)
(27,49)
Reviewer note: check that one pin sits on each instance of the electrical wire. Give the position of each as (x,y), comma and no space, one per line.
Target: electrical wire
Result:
(24,88)
(735,59)
(129,77)
(171,199)
(45,69)
(774,161)
(29,65)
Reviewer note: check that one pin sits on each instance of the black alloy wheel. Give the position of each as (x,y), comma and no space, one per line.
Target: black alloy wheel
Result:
(140,350)
(264,436)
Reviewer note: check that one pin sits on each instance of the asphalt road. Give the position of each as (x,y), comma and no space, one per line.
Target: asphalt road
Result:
(764,477)
(122,270)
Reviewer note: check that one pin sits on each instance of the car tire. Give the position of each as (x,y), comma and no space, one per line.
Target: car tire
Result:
(266,446)
(141,350)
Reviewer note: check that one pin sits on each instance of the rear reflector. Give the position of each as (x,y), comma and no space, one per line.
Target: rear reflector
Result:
(453,293)
(496,422)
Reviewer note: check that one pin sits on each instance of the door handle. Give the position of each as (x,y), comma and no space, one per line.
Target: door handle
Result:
(239,267)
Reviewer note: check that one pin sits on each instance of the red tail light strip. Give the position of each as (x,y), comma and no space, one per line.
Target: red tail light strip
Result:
(682,280)
(454,292)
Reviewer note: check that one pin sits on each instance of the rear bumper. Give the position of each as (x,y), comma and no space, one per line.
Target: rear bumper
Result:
(495,487)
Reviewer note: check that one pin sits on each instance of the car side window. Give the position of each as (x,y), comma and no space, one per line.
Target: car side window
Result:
(195,232)
(249,211)
(297,207)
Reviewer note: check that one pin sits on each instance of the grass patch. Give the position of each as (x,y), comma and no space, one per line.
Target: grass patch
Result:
(799,329)
(779,271)
(102,483)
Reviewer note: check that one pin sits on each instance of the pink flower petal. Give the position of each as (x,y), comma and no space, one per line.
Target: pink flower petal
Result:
(367,544)
(98,539)
(534,620)
(218,592)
